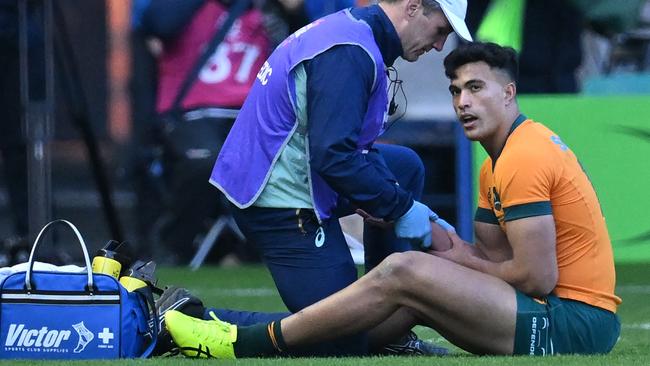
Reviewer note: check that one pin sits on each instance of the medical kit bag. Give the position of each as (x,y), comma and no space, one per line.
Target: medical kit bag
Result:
(65,315)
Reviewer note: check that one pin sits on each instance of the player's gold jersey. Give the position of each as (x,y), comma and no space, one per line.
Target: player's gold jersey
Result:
(537,174)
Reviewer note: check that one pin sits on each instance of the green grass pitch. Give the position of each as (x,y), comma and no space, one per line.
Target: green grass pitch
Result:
(251,288)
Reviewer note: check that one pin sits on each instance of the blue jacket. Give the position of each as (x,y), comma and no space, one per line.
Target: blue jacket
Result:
(364,180)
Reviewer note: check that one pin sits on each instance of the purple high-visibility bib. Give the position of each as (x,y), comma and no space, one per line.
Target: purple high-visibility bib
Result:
(268,117)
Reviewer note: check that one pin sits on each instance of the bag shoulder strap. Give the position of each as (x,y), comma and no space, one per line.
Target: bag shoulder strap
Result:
(235,11)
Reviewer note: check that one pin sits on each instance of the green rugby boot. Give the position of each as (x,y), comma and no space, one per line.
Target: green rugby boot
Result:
(201,338)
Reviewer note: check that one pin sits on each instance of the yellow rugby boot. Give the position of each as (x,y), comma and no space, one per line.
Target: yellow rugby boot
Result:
(201,338)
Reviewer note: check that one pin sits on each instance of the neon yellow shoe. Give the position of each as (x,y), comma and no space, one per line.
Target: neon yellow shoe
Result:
(201,338)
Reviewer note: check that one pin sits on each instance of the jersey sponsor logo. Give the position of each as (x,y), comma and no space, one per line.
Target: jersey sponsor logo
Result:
(533,336)
(558,141)
(538,331)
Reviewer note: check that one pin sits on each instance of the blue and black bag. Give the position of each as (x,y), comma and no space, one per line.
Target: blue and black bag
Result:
(62,315)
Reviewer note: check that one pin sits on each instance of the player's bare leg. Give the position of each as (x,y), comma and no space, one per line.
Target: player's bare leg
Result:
(475,311)
(398,324)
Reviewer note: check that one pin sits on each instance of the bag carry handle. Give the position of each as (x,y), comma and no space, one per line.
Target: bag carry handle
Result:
(28,275)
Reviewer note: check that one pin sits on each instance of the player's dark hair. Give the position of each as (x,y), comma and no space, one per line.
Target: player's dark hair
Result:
(499,57)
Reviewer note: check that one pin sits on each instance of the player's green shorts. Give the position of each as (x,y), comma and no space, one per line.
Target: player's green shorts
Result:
(563,326)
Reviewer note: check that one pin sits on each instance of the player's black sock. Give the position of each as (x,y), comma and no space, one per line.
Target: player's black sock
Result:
(259,340)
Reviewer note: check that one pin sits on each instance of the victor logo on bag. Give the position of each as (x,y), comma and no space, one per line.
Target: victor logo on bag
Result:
(61,315)
(19,336)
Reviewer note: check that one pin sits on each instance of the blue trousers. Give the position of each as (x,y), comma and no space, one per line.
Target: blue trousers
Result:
(305,272)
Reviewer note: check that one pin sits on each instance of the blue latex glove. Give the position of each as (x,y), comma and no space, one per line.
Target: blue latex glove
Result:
(414,225)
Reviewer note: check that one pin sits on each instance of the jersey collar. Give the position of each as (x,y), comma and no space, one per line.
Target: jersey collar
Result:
(520,119)
(517,123)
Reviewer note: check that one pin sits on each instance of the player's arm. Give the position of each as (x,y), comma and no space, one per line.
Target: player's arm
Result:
(529,224)
(492,242)
(533,266)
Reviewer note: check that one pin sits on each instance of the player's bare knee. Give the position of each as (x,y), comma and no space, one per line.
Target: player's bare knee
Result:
(397,267)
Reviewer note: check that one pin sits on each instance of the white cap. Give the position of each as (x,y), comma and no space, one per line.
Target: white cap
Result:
(455,11)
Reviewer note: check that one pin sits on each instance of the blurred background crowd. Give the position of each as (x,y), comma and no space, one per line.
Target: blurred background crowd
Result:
(128,126)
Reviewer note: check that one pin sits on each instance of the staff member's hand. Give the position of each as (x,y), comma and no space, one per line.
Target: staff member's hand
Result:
(414,225)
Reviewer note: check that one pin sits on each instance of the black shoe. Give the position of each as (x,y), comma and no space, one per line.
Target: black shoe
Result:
(174,298)
(411,345)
